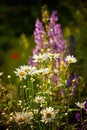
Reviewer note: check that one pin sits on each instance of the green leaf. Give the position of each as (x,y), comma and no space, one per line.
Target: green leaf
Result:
(10,104)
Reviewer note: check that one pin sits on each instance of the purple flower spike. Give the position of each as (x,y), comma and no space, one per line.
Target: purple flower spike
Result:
(53,17)
(72,81)
(39,32)
(49,37)
(69,82)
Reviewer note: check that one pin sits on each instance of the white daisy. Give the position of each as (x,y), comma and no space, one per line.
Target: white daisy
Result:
(53,55)
(48,115)
(56,55)
(21,73)
(33,71)
(22,117)
(39,58)
(80,105)
(28,69)
(35,111)
(44,71)
(39,99)
(71,59)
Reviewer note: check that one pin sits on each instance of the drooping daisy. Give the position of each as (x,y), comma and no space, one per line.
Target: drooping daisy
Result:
(71,59)
(48,115)
(39,99)
(23,117)
(21,73)
(80,105)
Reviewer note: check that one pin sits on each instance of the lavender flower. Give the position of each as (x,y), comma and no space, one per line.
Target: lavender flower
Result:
(69,82)
(55,35)
(39,32)
(72,81)
(50,37)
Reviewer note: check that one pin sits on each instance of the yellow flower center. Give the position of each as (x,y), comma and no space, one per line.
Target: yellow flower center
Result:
(21,119)
(27,70)
(22,73)
(70,61)
(48,115)
(39,100)
(39,59)
(52,55)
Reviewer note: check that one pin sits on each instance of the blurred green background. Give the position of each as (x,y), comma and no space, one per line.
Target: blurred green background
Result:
(17,23)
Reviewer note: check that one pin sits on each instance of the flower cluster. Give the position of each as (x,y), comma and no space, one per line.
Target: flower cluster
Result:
(41,96)
(46,86)
(48,36)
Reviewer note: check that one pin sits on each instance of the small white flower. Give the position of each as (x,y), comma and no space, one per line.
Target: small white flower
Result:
(22,117)
(39,99)
(26,68)
(48,115)
(1,73)
(21,73)
(71,59)
(80,105)
(53,55)
(9,76)
(39,58)
(19,102)
(56,55)
(44,71)
(33,71)
(35,111)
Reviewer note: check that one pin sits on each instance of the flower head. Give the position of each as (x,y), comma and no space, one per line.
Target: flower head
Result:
(80,105)
(1,73)
(44,71)
(39,58)
(53,56)
(48,115)
(30,70)
(39,99)
(71,59)
(22,117)
(21,73)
